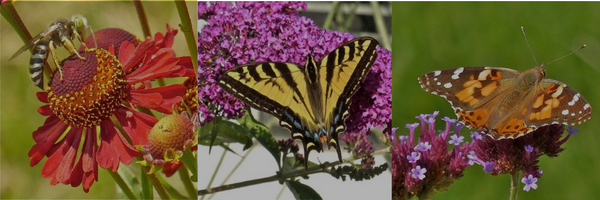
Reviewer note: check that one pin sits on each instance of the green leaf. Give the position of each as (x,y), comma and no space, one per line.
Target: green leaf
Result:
(263,135)
(302,191)
(291,164)
(221,131)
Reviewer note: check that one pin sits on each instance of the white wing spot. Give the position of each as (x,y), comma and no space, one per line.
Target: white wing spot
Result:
(448,85)
(565,112)
(587,106)
(435,79)
(483,74)
(437,73)
(572,114)
(575,98)
(438,83)
(457,72)
(558,92)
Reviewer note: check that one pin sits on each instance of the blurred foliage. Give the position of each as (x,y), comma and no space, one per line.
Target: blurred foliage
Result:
(19,116)
(431,36)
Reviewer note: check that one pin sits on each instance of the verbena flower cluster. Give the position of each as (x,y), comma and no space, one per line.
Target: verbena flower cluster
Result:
(239,33)
(434,162)
(511,156)
(420,166)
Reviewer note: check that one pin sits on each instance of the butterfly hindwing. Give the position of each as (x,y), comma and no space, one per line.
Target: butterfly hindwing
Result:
(311,100)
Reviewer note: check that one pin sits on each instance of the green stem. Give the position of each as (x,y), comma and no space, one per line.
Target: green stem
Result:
(162,192)
(351,15)
(147,190)
(187,182)
(514,184)
(11,15)
(121,183)
(334,8)
(379,23)
(300,172)
(212,179)
(188,30)
(189,160)
(139,8)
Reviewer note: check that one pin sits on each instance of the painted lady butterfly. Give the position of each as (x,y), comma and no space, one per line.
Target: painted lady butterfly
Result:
(505,103)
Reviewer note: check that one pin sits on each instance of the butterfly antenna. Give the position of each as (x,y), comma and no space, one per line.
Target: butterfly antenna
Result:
(526,41)
(580,48)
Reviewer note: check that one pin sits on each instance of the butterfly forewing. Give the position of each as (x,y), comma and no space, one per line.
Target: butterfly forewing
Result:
(311,100)
(557,103)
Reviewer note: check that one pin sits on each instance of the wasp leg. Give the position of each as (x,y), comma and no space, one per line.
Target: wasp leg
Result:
(53,51)
(76,34)
(70,47)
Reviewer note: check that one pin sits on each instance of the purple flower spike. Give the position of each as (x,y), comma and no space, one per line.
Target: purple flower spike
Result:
(423,146)
(572,131)
(429,154)
(456,140)
(413,157)
(418,172)
(489,167)
(520,155)
(528,148)
(530,182)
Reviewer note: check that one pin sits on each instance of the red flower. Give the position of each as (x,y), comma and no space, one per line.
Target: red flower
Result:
(81,102)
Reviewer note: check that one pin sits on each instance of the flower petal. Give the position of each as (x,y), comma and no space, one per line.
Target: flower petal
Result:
(45,138)
(86,169)
(161,66)
(60,163)
(113,148)
(136,124)
(160,99)
(132,57)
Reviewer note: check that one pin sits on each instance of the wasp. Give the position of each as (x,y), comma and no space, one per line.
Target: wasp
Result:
(60,33)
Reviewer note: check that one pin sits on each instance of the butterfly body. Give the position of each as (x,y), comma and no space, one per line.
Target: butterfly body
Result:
(311,100)
(505,103)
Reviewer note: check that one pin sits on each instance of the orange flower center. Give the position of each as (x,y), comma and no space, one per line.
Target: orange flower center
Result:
(170,132)
(90,90)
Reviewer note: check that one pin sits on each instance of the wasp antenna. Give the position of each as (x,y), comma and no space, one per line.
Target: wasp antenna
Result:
(93,36)
(576,50)
(526,41)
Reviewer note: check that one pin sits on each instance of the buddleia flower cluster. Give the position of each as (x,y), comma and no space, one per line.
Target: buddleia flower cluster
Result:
(237,33)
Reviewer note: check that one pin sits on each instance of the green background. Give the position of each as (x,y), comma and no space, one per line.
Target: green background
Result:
(434,36)
(18,104)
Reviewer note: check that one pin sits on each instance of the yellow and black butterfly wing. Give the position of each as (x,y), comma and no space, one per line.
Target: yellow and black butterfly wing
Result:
(279,89)
(341,73)
(312,100)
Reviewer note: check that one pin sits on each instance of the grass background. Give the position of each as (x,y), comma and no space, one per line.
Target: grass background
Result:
(431,36)
(19,116)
